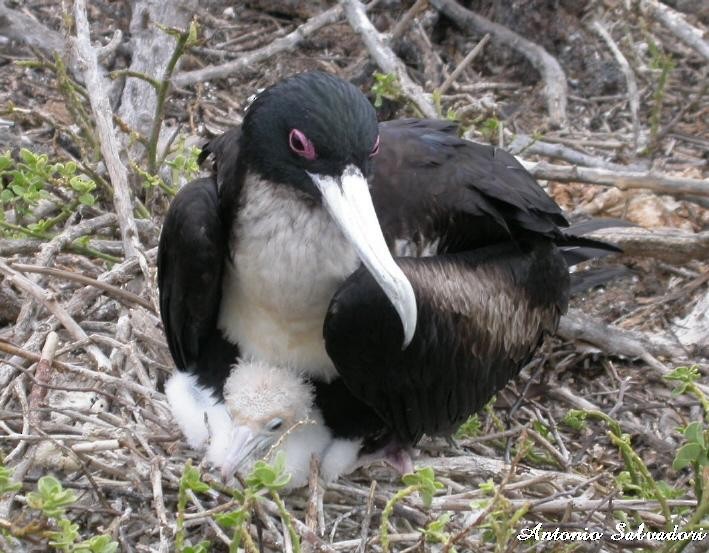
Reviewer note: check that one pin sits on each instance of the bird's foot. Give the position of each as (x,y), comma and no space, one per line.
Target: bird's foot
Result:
(399,459)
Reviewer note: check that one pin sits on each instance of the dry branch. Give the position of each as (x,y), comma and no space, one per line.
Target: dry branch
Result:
(625,180)
(151,50)
(670,245)
(43,297)
(26,30)
(385,57)
(677,25)
(464,63)
(550,70)
(615,341)
(248,60)
(103,115)
(631,83)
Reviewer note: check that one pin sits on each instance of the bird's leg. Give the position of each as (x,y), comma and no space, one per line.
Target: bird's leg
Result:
(399,458)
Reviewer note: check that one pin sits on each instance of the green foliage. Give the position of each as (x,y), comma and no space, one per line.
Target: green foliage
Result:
(386,87)
(490,128)
(269,477)
(31,178)
(191,480)
(50,498)
(662,62)
(435,531)
(575,419)
(7,485)
(424,481)
(470,428)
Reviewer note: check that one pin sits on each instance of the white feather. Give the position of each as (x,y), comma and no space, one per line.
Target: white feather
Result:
(289,259)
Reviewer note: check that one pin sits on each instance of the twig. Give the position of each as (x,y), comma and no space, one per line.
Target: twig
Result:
(367,519)
(676,24)
(631,83)
(523,144)
(403,23)
(56,309)
(248,60)
(385,57)
(83,279)
(550,70)
(625,180)
(667,244)
(464,63)
(103,115)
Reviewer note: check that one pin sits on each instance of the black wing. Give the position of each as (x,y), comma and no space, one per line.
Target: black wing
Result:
(190,262)
(429,185)
(481,315)
(496,283)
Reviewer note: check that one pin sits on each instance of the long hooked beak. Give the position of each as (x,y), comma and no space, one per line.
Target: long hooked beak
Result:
(243,445)
(349,203)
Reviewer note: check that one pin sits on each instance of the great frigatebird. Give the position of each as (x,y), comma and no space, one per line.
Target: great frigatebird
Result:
(381,280)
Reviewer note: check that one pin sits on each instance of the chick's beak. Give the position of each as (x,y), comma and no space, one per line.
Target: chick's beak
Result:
(244,445)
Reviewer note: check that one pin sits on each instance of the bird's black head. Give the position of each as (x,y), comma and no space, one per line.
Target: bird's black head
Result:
(309,123)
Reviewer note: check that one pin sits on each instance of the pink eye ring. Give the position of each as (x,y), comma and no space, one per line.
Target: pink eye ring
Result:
(375,148)
(301,145)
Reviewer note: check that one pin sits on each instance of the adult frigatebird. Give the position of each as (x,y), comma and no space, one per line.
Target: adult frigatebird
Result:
(381,280)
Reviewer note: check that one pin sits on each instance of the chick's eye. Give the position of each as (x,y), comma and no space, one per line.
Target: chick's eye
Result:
(375,148)
(274,424)
(301,145)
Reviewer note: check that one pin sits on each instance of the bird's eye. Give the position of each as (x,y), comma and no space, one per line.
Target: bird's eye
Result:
(274,424)
(375,148)
(301,145)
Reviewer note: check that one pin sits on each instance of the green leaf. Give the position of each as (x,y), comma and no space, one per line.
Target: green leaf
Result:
(7,485)
(232,519)
(97,544)
(687,454)
(695,433)
(87,199)
(192,480)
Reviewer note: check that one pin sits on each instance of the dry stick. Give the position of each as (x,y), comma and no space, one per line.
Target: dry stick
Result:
(464,63)
(631,83)
(49,251)
(118,293)
(103,116)
(159,504)
(523,144)
(403,24)
(366,519)
(625,180)
(148,393)
(550,70)
(248,60)
(677,25)
(311,513)
(671,245)
(385,57)
(37,394)
(45,298)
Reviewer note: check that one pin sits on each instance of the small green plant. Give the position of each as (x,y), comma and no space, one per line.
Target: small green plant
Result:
(386,87)
(191,480)
(470,428)
(263,478)
(435,531)
(663,63)
(490,128)
(51,500)
(424,482)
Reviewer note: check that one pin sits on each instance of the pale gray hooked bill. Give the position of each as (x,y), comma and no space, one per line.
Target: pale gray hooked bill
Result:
(244,446)
(349,203)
